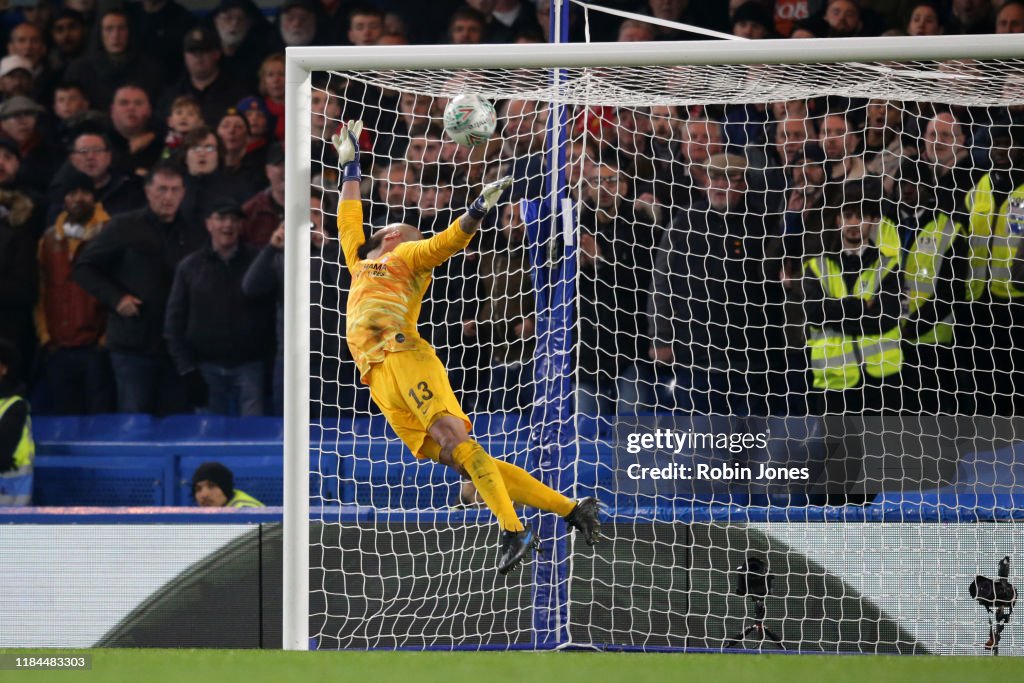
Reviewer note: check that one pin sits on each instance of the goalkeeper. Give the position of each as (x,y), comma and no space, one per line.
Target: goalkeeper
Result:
(390,275)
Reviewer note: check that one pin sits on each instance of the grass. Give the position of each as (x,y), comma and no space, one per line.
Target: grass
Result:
(271,666)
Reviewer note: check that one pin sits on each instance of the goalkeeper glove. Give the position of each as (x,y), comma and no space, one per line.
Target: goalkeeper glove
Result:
(488,198)
(346,142)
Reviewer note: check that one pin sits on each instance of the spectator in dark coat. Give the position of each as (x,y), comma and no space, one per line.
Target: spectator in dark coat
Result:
(333,380)
(218,337)
(245,37)
(715,311)
(204,79)
(135,142)
(265,210)
(206,182)
(114,61)
(130,267)
(91,154)
(19,122)
(161,26)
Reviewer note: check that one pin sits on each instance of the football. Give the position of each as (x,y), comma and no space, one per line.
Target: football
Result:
(470,120)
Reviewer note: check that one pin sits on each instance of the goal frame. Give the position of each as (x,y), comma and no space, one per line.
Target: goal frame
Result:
(301,62)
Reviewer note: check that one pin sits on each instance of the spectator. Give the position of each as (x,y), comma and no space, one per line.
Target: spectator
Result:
(506,19)
(715,271)
(130,266)
(791,135)
(925,19)
(466,27)
(504,324)
(254,109)
(271,77)
(615,261)
(701,139)
(18,277)
(995,216)
(206,182)
(246,166)
(333,381)
(69,34)
(396,193)
(946,152)
(73,114)
(184,118)
(218,336)
(113,62)
(1010,17)
(161,26)
(523,145)
(970,16)
(753,20)
(297,23)
(843,18)
(17,449)
(840,142)
(91,154)
(886,143)
(245,37)
(27,40)
(203,78)
(937,267)
(213,486)
(16,76)
(852,297)
(365,25)
(135,144)
(19,122)
(265,210)
(70,322)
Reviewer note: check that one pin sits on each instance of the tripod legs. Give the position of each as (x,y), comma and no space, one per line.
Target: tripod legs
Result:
(757,629)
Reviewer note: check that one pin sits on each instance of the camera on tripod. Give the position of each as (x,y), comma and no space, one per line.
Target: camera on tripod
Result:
(995,594)
(754,581)
(753,578)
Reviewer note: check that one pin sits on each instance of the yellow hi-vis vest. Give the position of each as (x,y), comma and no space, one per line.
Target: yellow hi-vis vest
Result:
(993,246)
(921,272)
(241,499)
(1007,235)
(837,360)
(16,484)
(887,238)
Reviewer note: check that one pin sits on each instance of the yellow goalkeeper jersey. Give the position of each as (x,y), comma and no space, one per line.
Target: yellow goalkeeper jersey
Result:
(387,293)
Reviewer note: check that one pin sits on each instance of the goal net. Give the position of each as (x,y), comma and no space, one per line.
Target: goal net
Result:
(761,303)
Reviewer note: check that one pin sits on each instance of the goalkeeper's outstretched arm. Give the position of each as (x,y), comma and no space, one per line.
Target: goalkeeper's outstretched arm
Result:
(350,212)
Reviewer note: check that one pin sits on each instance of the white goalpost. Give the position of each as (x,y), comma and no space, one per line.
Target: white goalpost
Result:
(788,453)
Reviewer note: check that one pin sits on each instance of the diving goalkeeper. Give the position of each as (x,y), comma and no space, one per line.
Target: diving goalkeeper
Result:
(390,275)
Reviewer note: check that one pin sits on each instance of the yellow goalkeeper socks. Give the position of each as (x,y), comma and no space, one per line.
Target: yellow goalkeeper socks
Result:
(524,488)
(483,470)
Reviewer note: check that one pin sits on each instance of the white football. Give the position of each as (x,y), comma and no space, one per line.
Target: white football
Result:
(470,120)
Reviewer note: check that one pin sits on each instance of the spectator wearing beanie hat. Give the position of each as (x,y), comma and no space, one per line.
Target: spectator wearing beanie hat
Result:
(213,486)
(753,20)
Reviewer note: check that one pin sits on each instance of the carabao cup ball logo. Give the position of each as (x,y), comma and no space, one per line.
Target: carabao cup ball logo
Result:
(470,120)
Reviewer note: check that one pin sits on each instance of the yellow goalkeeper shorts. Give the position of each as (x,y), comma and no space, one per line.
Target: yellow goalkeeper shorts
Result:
(412,389)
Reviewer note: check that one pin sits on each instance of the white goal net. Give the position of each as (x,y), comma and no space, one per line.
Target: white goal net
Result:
(768,314)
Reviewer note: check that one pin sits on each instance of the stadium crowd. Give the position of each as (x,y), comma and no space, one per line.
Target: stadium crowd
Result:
(794,256)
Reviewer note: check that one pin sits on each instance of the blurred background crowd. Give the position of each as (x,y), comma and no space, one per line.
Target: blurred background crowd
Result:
(142,189)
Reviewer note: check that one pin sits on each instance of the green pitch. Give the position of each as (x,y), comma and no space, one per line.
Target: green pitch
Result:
(249,666)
